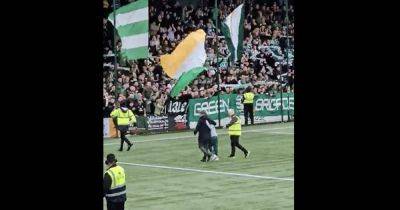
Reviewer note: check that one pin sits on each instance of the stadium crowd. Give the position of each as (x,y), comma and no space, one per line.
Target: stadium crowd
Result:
(267,37)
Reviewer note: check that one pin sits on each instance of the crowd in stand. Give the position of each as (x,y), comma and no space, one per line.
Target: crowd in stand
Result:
(266,64)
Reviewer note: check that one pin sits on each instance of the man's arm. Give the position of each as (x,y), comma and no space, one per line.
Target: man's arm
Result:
(132,118)
(197,128)
(114,113)
(106,184)
(211,121)
(233,120)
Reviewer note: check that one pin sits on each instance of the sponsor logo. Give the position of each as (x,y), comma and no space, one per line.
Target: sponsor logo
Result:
(211,107)
(274,104)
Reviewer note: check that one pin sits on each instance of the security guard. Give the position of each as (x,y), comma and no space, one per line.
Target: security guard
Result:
(247,100)
(234,131)
(114,184)
(124,117)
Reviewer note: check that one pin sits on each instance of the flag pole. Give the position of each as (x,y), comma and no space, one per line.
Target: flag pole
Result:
(281,83)
(216,51)
(287,46)
(287,57)
(115,53)
(115,64)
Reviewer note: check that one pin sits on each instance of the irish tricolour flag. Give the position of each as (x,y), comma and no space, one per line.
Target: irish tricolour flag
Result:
(132,24)
(232,28)
(186,62)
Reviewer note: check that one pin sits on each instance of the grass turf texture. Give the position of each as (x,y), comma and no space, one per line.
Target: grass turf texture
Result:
(158,188)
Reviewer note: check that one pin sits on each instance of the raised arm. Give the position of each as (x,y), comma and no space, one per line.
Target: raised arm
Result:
(233,120)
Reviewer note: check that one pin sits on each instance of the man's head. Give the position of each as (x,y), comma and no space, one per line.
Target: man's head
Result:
(123,105)
(110,160)
(231,112)
(249,88)
(202,93)
(203,113)
(112,100)
(124,108)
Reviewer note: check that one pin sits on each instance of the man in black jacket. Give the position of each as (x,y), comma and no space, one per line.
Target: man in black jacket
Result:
(204,138)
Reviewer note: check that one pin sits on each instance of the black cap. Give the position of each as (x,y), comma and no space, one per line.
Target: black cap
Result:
(123,103)
(110,158)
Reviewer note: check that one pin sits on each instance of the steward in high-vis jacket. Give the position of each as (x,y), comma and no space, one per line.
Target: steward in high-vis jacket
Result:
(124,118)
(248,101)
(234,131)
(114,184)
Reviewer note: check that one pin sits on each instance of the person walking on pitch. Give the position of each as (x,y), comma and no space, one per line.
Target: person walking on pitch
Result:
(204,138)
(234,131)
(124,118)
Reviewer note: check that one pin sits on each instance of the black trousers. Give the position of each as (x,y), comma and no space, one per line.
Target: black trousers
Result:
(124,131)
(248,110)
(235,143)
(204,146)
(115,206)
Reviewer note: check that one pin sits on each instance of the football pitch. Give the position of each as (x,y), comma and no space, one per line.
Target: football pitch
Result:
(164,171)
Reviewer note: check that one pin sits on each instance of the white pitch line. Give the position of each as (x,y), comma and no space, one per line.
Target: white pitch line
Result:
(184,137)
(206,171)
(287,133)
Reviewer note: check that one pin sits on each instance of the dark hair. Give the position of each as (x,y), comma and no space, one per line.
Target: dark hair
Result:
(248,89)
(110,159)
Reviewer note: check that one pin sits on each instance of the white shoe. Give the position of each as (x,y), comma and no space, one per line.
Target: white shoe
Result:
(214,157)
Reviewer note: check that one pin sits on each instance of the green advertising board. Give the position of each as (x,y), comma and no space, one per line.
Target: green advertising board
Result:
(266,108)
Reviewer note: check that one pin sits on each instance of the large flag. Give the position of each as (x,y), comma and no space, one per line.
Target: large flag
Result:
(232,28)
(132,24)
(186,61)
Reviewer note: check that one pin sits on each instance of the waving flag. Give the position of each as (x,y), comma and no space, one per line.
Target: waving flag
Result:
(232,28)
(186,62)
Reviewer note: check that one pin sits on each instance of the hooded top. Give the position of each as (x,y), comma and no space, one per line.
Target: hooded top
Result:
(203,130)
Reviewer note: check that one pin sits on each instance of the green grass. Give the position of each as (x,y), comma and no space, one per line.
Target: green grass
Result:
(155,188)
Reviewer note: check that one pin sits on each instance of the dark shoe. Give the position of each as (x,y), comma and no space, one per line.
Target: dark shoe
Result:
(208,158)
(203,160)
(120,149)
(246,155)
(231,156)
(129,147)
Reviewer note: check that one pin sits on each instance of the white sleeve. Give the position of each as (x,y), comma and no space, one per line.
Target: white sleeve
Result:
(208,124)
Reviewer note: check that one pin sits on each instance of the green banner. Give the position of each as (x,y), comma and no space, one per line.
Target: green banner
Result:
(266,108)
(210,105)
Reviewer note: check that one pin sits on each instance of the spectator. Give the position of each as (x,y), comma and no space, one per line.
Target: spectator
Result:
(159,107)
(146,86)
